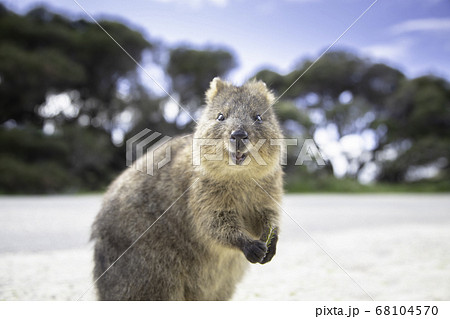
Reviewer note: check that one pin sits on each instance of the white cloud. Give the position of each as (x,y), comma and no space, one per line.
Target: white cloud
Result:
(397,50)
(430,24)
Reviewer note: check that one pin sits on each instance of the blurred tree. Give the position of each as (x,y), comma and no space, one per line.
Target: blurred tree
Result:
(43,53)
(32,162)
(417,118)
(69,97)
(67,75)
(65,82)
(328,93)
(407,117)
(191,71)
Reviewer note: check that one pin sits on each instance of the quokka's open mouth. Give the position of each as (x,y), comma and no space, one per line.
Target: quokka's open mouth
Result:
(238,158)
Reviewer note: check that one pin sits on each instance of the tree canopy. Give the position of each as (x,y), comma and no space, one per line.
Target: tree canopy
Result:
(70,96)
(407,118)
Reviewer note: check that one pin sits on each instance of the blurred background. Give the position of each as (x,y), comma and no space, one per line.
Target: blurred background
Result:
(377,103)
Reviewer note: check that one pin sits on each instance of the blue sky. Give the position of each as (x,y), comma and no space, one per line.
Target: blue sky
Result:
(413,35)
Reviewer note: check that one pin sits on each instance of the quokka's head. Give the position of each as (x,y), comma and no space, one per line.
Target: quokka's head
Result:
(238,132)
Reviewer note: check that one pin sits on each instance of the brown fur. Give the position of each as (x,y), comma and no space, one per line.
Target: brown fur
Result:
(198,249)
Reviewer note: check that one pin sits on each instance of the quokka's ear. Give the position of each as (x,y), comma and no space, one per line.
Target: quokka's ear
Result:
(215,87)
(261,87)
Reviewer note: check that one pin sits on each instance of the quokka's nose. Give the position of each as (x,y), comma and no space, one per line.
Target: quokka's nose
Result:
(239,135)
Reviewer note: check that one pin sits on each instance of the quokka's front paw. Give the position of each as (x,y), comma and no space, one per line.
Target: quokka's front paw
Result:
(271,249)
(255,251)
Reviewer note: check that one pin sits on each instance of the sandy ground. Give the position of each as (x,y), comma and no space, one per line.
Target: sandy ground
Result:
(385,247)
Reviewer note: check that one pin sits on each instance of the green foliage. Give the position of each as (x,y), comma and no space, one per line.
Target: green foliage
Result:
(191,71)
(32,162)
(349,185)
(43,54)
(23,177)
(378,83)
(421,107)
(419,113)
(273,80)
(75,159)
(91,156)
(414,112)
(335,73)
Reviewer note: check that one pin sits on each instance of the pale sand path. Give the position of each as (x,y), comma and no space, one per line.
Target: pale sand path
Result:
(396,247)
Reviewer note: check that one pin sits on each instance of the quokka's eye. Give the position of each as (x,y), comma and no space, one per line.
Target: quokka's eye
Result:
(258,118)
(220,117)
